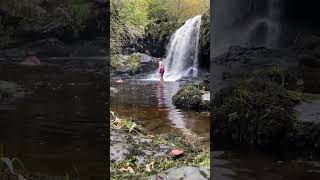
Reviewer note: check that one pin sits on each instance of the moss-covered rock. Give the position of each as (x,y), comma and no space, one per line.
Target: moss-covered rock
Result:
(279,75)
(254,112)
(126,63)
(190,97)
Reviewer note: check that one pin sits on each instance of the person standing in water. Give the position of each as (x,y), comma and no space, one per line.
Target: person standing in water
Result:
(161,69)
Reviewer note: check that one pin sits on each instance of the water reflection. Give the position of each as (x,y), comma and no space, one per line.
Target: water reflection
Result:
(151,103)
(256,165)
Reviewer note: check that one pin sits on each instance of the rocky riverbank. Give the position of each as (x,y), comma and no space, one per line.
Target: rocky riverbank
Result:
(257,92)
(53,29)
(138,154)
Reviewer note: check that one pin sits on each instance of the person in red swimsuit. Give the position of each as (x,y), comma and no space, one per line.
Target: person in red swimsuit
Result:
(161,69)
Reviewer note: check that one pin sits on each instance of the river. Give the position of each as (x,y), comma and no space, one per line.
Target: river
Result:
(58,127)
(150,102)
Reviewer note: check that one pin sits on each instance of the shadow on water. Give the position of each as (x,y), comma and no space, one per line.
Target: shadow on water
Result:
(60,120)
(151,103)
(249,164)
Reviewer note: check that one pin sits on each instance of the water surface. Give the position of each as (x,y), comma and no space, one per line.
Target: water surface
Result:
(60,122)
(151,103)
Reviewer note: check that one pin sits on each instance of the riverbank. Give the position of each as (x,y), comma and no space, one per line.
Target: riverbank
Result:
(256,95)
(137,153)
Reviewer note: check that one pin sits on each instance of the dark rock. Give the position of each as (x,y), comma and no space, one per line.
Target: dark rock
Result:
(309,60)
(10,90)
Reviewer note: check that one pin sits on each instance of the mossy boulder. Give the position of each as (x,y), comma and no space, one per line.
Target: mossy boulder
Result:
(279,75)
(254,112)
(190,97)
(126,63)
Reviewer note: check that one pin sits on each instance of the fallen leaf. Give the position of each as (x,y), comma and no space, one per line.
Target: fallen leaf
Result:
(132,127)
(176,152)
(149,166)
(130,170)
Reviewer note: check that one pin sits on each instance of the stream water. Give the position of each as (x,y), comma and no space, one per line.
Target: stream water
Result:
(150,102)
(251,164)
(57,127)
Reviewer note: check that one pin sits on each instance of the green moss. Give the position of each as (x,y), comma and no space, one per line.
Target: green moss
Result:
(189,97)
(126,63)
(257,112)
(135,62)
(278,75)
(81,11)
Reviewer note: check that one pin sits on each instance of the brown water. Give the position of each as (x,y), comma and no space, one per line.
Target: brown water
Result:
(150,102)
(59,126)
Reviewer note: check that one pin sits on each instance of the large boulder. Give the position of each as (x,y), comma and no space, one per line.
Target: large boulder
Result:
(254,112)
(185,172)
(190,97)
(133,63)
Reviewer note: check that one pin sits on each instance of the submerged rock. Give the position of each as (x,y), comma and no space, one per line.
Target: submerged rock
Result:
(10,90)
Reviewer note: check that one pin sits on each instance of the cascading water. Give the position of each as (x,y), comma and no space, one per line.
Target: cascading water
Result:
(247,23)
(265,31)
(182,52)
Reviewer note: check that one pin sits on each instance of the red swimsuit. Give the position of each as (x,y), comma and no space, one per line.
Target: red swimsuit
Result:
(161,69)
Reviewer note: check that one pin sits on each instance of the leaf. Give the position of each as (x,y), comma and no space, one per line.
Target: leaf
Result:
(149,166)
(21,177)
(130,170)
(8,162)
(19,162)
(132,127)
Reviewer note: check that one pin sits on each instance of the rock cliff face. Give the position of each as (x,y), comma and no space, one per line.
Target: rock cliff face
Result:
(51,23)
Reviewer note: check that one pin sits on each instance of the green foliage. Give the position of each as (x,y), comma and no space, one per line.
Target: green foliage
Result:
(153,20)
(81,11)
(205,40)
(135,63)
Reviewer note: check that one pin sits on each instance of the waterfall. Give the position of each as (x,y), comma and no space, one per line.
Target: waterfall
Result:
(246,23)
(182,52)
(265,30)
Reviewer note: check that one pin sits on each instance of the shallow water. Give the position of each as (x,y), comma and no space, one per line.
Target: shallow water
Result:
(244,164)
(150,102)
(60,122)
